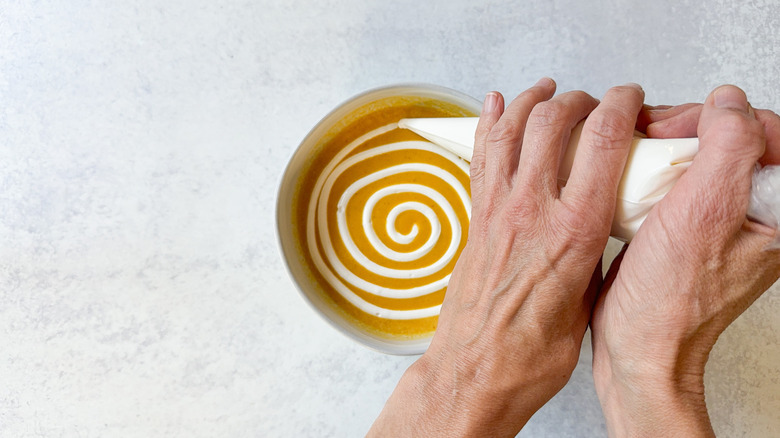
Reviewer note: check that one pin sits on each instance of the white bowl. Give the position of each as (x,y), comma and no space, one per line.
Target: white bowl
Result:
(310,288)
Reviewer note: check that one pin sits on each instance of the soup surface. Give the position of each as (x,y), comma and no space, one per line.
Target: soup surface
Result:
(382,215)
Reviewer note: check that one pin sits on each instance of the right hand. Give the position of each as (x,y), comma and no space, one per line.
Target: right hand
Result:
(694,266)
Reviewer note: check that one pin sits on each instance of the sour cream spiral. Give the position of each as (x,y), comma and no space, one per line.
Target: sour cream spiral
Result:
(438,210)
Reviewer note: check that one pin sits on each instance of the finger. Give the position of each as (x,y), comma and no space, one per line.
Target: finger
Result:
(663,112)
(643,119)
(546,134)
(680,125)
(729,133)
(492,108)
(646,115)
(771,123)
(602,152)
(712,196)
(503,142)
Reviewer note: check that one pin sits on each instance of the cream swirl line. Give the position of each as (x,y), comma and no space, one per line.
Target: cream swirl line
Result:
(339,274)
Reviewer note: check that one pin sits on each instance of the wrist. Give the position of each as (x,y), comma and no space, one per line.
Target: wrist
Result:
(446,396)
(652,400)
(461,398)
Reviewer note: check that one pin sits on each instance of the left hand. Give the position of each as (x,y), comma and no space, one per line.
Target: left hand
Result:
(520,298)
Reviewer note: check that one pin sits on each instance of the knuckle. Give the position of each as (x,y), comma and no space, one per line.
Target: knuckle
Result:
(734,131)
(623,92)
(579,95)
(734,122)
(581,225)
(770,119)
(549,114)
(505,132)
(477,170)
(533,95)
(610,130)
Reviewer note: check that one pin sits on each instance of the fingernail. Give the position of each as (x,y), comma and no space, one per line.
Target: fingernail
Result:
(730,97)
(658,109)
(491,102)
(633,85)
(544,82)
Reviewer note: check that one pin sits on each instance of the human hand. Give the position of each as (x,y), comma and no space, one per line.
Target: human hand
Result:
(694,266)
(520,297)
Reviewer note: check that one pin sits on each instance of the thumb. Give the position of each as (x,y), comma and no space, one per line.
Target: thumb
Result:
(730,137)
(712,197)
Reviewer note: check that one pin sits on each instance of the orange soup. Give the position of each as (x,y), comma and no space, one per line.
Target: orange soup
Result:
(381,216)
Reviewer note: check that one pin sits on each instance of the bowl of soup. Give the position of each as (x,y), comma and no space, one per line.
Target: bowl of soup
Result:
(371,218)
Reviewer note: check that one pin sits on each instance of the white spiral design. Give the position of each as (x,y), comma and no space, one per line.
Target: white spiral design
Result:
(325,256)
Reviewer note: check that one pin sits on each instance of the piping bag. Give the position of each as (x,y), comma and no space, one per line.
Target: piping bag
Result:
(653,166)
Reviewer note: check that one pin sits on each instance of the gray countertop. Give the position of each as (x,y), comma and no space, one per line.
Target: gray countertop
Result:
(141,143)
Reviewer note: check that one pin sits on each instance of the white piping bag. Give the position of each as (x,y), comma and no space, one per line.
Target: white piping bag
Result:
(653,166)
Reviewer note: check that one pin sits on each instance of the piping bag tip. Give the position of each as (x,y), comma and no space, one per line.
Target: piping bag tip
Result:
(456,134)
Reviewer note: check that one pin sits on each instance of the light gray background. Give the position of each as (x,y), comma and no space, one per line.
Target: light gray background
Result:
(141,142)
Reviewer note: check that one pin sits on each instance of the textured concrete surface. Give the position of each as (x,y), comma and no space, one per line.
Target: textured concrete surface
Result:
(141,292)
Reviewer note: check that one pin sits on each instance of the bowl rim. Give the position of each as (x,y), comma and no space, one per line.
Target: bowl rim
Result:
(408,347)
